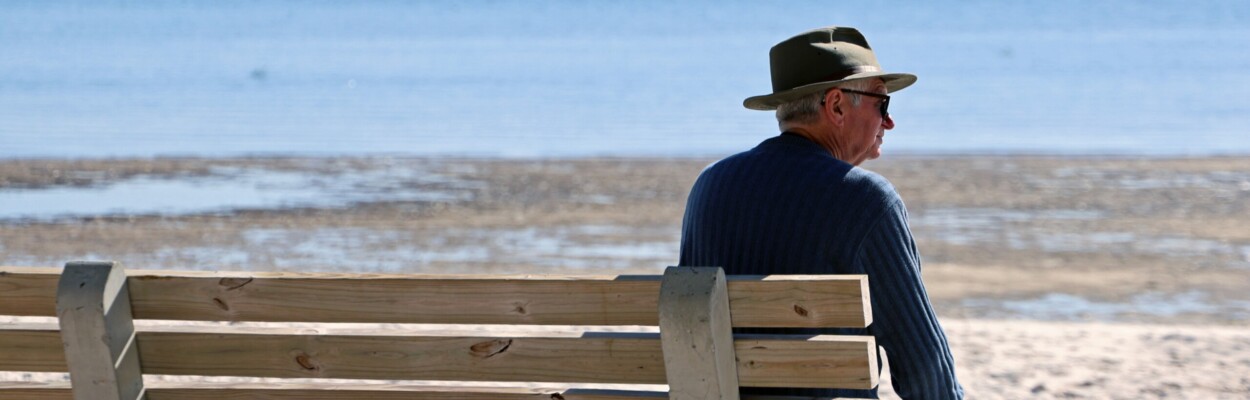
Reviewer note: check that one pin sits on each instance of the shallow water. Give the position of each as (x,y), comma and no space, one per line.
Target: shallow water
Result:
(230,189)
(1019,230)
(586,248)
(1067,307)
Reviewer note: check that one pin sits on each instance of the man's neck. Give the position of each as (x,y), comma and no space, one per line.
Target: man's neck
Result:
(814,133)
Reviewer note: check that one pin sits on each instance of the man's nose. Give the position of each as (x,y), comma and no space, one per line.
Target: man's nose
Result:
(888,122)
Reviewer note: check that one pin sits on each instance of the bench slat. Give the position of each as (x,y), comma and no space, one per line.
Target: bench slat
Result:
(629,358)
(35,390)
(755,301)
(28,291)
(31,348)
(337,391)
(317,391)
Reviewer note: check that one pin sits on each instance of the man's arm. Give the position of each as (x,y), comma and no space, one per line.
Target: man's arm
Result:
(904,323)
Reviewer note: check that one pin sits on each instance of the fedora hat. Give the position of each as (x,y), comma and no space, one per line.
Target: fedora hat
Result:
(820,59)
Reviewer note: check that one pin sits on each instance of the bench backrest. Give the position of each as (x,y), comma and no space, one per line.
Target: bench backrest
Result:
(550,330)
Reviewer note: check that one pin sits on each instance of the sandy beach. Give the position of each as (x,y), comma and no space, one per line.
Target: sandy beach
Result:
(1055,277)
(1017,359)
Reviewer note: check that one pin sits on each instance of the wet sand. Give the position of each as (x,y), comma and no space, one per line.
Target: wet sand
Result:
(1056,277)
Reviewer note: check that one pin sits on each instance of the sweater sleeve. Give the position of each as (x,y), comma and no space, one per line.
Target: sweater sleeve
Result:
(904,323)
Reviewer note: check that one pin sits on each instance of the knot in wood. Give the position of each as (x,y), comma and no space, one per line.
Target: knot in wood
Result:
(802,312)
(306,362)
(221,304)
(490,348)
(557,396)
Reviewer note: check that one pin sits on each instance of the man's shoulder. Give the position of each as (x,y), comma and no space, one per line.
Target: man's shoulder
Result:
(870,183)
(810,177)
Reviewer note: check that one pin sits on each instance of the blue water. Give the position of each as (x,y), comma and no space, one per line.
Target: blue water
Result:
(563,78)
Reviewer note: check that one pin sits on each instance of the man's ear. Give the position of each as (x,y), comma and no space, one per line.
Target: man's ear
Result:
(834,108)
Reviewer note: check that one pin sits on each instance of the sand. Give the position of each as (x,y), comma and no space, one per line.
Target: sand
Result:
(1016,359)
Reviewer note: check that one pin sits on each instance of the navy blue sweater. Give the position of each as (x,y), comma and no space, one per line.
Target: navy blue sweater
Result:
(789,207)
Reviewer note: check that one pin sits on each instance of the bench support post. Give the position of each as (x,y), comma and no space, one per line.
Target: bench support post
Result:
(696,336)
(97,329)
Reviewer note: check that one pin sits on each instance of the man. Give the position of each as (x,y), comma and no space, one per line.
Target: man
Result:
(797,204)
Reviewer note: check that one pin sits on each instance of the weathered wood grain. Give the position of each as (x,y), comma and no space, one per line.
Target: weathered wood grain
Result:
(795,301)
(339,391)
(842,361)
(608,360)
(626,358)
(756,301)
(28,291)
(838,361)
(31,348)
(398,300)
(392,392)
(35,390)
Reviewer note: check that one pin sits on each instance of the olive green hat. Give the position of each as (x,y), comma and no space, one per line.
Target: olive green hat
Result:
(820,59)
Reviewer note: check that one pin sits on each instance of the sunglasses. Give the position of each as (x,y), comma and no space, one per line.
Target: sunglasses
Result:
(885,103)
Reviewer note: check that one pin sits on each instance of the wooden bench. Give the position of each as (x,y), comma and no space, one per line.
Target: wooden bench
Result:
(510,337)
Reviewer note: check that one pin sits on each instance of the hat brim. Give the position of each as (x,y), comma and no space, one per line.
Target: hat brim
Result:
(893,82)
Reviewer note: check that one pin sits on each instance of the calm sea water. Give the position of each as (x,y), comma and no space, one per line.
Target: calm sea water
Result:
(103,78)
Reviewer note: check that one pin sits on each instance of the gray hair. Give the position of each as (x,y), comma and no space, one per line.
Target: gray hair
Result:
(806,108)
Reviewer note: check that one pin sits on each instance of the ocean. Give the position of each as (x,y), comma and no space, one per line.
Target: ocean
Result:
(576,78)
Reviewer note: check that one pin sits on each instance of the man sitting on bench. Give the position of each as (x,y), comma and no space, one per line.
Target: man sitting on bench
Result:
(797,204)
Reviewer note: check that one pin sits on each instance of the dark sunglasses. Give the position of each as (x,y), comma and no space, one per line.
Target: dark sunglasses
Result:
(885,103)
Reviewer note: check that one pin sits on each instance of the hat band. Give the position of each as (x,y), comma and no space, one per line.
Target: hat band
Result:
(848,72)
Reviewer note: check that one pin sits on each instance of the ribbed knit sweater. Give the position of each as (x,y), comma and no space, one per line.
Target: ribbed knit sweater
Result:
(789,207)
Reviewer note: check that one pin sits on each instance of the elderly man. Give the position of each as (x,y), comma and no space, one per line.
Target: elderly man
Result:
(798,204)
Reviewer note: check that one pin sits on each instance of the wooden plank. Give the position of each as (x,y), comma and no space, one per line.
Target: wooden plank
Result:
(521,359)
(28,291)
(383,299)
(93,308)
(35,390)
(37,348)
(696,334)
(389,392)
(31,348)
(761,301)
(819,301)
(626,358)
(813,301)
(836,361)
(337,391)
